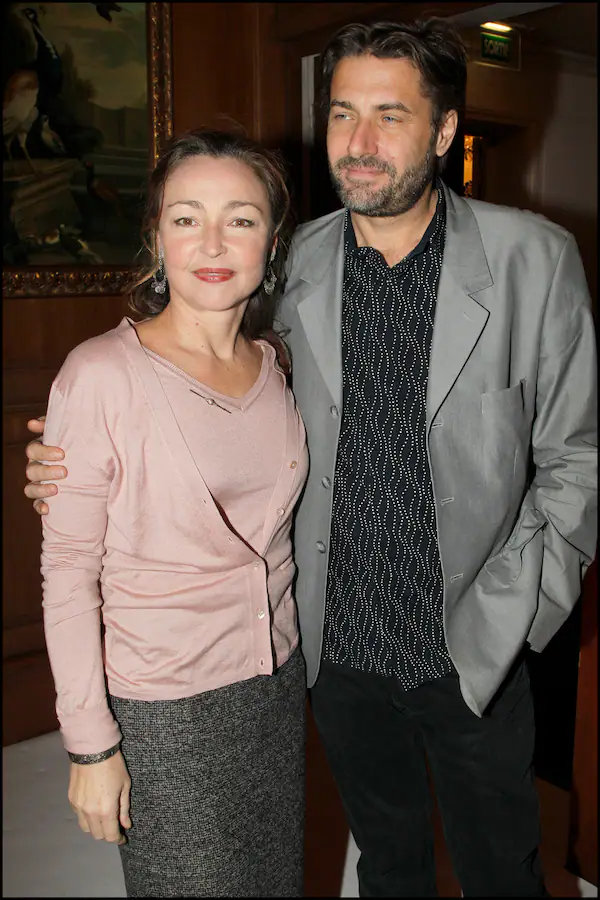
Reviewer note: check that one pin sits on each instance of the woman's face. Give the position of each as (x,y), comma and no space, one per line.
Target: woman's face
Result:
(214,232)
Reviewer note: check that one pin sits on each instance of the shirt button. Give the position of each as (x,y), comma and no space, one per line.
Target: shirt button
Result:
(321,547)
(326,482)
(257,565)
(334,412)
(293,464)
(260,613)
(280,511)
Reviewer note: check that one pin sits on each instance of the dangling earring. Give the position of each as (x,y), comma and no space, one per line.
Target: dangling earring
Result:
(270,279)
(159,282)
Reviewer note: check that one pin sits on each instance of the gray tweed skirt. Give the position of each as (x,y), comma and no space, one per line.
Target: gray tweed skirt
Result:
(217,789)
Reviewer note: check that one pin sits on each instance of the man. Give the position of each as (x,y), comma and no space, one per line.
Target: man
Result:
(439,346)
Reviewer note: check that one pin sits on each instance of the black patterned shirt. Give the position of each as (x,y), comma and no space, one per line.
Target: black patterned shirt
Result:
(383,611)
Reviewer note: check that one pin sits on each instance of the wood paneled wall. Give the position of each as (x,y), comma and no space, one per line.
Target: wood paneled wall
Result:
(37,335)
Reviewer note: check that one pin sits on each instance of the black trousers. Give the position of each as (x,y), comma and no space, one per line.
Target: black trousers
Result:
(376,737)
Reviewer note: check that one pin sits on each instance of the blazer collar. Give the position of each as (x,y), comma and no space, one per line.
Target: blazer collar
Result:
(460,312)
(464,255)
(459,318)
(321,271)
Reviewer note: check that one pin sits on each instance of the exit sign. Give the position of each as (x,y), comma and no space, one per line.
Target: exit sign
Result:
(500,50)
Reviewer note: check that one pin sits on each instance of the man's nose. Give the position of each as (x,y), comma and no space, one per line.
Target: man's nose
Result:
(363,141)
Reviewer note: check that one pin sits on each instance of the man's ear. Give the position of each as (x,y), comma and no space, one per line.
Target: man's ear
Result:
(446,132)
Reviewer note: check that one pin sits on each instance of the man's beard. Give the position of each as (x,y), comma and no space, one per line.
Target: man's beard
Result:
(400,194)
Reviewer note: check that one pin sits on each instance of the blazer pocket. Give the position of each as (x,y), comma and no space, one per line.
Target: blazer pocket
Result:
(508,402)
(503,436)
(505,566)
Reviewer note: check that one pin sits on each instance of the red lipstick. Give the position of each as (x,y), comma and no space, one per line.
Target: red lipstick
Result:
(214,276)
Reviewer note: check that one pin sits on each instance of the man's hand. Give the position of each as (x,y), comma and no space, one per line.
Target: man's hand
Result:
(99,794)
(36,471)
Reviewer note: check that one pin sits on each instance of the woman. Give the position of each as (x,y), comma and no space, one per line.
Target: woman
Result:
(171,532)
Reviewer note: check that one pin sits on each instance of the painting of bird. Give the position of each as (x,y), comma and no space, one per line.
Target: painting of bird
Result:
(50,138)
(47,64)
(75,115)
(101,190)
(105,9)
(77,247)
(28,89)
(19,110)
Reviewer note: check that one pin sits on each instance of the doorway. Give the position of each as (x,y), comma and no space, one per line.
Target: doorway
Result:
(499,164)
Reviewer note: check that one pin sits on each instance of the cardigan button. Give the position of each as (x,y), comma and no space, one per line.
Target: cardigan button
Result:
(326,482)
(321,547)
(334,412)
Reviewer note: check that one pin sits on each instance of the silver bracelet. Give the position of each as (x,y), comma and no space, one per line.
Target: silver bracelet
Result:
(86,759)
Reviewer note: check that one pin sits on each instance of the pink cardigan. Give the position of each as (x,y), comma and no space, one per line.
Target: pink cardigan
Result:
(134,530)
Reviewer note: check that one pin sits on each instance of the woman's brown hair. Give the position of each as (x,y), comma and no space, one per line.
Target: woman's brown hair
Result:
(269,169)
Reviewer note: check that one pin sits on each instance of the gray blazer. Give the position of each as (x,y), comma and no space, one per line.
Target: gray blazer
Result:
(512,382)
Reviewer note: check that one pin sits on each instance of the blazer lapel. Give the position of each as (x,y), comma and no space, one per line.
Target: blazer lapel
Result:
(459,318)
(320,303)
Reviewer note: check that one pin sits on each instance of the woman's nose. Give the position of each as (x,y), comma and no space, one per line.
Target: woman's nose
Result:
(211,240)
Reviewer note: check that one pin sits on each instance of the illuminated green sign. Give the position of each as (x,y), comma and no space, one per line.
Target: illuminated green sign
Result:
(496,48)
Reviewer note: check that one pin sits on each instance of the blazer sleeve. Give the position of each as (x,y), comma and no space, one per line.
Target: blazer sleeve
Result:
(565,443)
(71,563)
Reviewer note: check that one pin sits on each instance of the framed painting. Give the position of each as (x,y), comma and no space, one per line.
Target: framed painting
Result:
(87,106)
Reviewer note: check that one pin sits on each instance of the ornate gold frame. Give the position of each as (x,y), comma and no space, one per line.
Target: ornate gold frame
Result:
(53,281)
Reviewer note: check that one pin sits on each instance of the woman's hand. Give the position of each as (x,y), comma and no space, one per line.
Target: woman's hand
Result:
(99,794)
(35,472)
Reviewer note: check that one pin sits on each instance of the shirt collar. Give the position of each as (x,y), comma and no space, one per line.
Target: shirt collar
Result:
(434,230)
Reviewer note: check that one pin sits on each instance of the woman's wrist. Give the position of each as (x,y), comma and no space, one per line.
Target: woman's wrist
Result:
(86,759)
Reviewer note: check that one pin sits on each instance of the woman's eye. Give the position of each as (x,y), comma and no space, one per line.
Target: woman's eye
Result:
(243,223)
(185,221)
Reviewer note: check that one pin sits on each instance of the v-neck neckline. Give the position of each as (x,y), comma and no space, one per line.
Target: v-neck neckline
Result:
(239,404)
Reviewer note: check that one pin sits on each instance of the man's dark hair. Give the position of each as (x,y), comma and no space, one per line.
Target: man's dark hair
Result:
(433,46)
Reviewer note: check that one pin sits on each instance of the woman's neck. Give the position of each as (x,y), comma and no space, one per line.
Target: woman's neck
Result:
(215,334)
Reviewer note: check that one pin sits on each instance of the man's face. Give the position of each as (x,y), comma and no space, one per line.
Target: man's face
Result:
(381,147)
